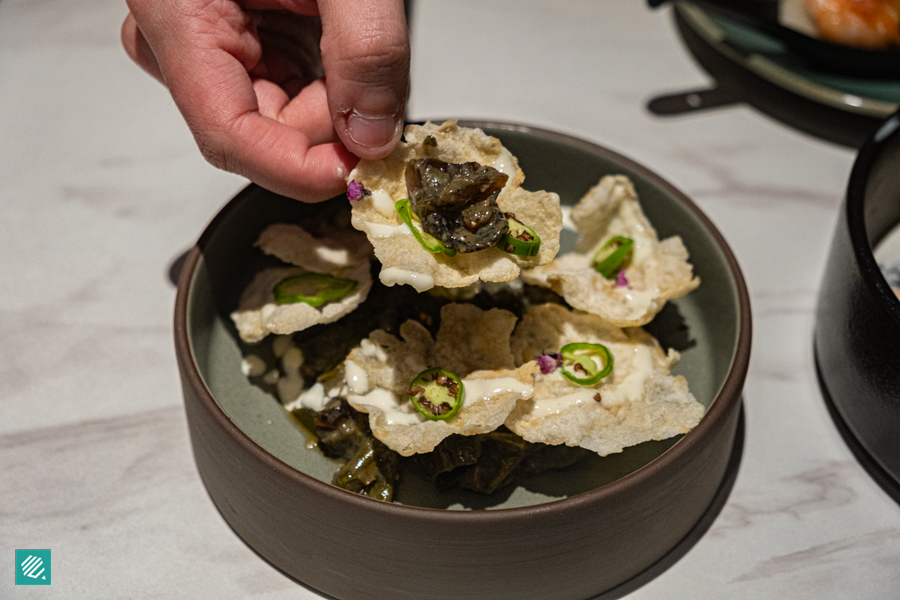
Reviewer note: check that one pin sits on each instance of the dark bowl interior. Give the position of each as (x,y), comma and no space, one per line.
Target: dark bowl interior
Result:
(858,316)
(570,535)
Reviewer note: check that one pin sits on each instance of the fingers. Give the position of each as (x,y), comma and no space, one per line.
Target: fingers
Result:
(306,112)
(220,105)
(138,49)
(365,54)
(291,46)
(280,159)
(203,53)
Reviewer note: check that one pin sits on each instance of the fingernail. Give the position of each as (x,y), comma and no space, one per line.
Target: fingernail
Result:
(371,132)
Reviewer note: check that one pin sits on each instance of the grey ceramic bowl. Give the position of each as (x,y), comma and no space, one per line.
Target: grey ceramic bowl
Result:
(571,534)
(858,316)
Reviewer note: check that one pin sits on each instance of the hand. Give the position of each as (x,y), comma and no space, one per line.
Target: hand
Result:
(246,76)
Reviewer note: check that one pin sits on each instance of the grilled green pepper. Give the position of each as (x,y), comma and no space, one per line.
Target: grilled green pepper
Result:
(314,289)
(521,239)
(613,256)
(436,393)
(578,356)
(428,241)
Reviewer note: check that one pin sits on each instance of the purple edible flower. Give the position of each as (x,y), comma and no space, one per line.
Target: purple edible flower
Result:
(621,280)
(549,362)
(355,191)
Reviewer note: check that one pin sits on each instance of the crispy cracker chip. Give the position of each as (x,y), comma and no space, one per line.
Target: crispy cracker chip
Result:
(403,259)
(639,401)
(294,245)
(659,271)
(471,343)
(346,256)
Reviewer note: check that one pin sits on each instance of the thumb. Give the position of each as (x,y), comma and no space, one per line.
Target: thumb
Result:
(365,54)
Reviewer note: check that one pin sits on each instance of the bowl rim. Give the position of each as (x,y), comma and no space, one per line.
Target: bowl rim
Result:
(870,152)
(715,416)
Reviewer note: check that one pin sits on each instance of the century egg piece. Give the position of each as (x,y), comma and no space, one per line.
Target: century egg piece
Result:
(457,203)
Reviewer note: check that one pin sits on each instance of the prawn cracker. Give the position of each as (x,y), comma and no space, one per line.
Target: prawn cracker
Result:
(403,258)
(639,401)
(658,271)
(473,344)
(324,254)
(348,256)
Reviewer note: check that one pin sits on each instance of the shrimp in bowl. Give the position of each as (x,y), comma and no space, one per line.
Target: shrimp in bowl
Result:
(873,24)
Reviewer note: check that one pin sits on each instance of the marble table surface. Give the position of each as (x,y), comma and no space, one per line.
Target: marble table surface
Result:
(102,186)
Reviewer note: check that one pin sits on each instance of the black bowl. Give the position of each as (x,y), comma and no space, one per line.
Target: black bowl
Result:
(857,340)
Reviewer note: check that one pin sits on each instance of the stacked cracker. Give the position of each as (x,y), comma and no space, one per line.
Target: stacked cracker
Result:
(494,350)
(338,254)
(396,250)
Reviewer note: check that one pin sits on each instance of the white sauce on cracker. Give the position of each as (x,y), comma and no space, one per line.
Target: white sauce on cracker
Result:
(629,389)
(357,379)
(379,230)
(313,399)
(370,350)
(383,203)
(386,401)
(554,406)
(393,275)
(505,164)
(475,390)
(479,389)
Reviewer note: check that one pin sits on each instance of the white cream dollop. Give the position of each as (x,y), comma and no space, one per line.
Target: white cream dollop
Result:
(370,350)
(394,275)
(386,401)
(383,203)
(377,230)
(631,387)
(357,379)
(504,164)
(313,399)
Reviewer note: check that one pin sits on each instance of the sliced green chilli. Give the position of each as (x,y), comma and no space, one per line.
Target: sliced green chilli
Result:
(428,241)
(579,358)
(437,394)
(521,239)
(613,256)
(314,289)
